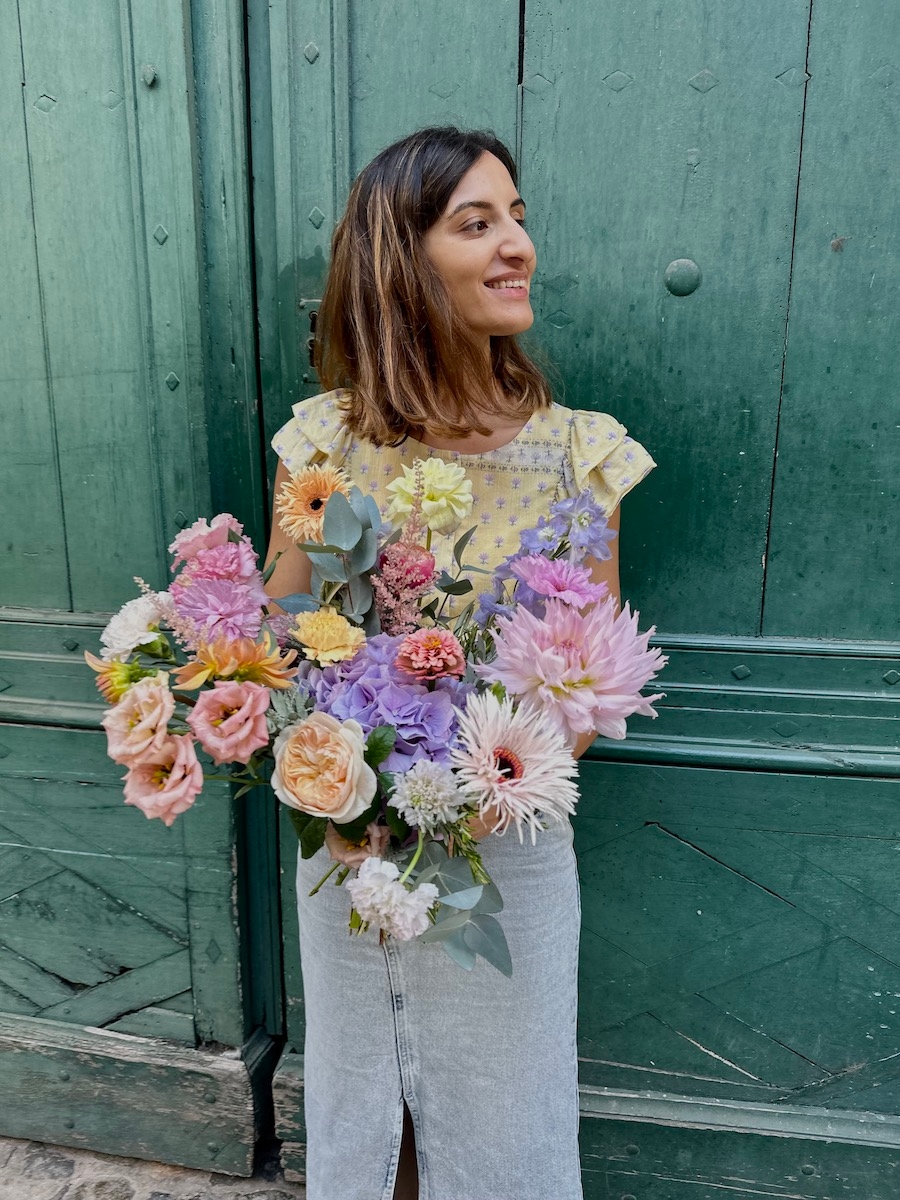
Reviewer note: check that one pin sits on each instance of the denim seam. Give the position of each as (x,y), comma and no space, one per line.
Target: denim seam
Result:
(401,1035)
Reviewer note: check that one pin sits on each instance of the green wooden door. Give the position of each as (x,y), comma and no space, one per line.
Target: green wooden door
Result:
(711,192)
(121,964)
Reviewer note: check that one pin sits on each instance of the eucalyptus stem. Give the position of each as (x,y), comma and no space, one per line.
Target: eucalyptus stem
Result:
(415,858)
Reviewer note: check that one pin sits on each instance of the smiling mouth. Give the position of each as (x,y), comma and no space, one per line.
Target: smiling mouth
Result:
(508,285)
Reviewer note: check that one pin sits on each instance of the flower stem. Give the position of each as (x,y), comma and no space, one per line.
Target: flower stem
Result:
(415,858)
(331,870)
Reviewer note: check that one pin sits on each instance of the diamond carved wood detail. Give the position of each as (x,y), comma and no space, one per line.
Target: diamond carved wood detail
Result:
(618,81)
(703,81)
(793,77)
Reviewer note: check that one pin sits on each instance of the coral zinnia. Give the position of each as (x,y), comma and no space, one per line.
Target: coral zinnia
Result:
(302,499)
(583,671)
(511,761)
(240,659)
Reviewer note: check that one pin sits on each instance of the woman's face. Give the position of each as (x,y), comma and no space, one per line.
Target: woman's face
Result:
(482,253)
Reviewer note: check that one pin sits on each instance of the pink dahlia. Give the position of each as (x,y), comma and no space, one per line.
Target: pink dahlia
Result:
(202,536)
(165,783)
(220,607)
(558,579)
(229,720)
(582,670)
(430,654)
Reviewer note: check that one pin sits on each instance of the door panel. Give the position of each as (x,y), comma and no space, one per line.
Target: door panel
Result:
(835,544)
(655,133)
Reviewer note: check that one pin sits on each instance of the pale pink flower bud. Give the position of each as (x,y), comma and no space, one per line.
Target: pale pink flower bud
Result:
(165,783)
(229,720)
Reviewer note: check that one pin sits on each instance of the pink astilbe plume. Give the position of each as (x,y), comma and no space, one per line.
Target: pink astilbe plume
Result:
(583,671)
(406,571)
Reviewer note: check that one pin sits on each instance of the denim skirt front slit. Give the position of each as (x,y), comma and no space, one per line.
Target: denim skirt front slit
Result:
(486,1065)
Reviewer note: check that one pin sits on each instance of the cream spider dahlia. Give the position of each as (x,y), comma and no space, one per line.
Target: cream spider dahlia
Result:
(514,764)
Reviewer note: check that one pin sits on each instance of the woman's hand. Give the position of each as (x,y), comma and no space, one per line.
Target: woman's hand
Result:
(352,855)
(481,826)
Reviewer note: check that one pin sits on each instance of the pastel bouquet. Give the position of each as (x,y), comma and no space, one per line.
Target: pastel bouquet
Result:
(391,702)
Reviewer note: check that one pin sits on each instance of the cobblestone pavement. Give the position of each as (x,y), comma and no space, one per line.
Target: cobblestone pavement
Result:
(34,1171)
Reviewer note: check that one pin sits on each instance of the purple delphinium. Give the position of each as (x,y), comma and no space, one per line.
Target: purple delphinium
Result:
(586,526)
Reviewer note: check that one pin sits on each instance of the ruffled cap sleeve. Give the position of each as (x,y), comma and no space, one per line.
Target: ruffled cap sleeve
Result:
(604,459)
(316,433)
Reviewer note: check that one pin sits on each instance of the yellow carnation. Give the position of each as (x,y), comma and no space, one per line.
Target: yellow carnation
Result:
(326,636)
(441,489)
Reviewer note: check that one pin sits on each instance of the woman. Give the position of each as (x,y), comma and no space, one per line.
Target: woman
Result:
(465,1081)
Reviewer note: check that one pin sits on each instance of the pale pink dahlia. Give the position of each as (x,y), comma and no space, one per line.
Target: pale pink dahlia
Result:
(558,579)
(513,764)
(583,671)
(430,654)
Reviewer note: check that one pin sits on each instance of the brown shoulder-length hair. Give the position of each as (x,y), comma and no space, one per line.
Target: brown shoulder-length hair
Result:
(386,330)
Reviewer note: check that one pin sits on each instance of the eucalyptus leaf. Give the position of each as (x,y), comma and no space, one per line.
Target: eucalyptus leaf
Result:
(298,602)
(484,936)
(318,548)
(371,622)
(341,526)
(358,504)
(375,514)
(364,553)
(459,951)
(461,544)
(330,567)
(491,901)
(465,899)
(444,927)
(361,595)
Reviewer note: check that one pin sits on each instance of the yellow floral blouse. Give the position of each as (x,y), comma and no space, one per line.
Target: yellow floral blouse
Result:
(558,453)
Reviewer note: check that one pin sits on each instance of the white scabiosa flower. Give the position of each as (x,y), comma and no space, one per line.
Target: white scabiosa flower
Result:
(514,763)
(135,624)
(426,796)
(381,899)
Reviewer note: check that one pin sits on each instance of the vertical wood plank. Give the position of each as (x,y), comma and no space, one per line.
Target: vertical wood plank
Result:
(34,553)
(835,543)
(652,134)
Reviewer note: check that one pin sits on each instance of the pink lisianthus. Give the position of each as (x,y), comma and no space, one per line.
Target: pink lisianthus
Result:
(165,782)
(203,536)
(583,671)
(139,724)
(229,720)
(558,579)
(430,654)
(221,607)
(232,560)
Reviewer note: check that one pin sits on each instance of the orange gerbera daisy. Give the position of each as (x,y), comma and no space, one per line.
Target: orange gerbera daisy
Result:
(240,659)
(302,499)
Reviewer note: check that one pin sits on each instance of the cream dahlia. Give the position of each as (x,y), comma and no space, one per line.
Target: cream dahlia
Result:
(513,764)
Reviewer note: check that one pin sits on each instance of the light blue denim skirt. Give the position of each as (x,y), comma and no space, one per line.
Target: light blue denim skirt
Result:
(487,1065)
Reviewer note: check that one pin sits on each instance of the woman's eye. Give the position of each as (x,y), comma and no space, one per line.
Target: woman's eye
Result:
(475,226)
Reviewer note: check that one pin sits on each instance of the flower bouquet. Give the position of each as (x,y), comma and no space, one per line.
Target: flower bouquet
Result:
(391,701)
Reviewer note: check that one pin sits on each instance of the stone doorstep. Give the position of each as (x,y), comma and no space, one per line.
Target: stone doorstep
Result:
(35,1171)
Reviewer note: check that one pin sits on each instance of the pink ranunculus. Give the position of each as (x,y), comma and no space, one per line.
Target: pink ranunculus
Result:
(583,671)
(166,782)
(138,725)
(430,654)
(202,536)
(229,720)
(221,607)
(558,579)
(233,560)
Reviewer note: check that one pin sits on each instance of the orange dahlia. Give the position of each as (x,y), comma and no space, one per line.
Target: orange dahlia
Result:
(302,499)
(240,659)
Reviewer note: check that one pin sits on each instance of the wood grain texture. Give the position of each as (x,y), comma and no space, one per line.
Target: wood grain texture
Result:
(832,563)
(633,158)
(126,1095)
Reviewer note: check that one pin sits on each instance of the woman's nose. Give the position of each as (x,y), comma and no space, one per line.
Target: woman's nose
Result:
(517,243)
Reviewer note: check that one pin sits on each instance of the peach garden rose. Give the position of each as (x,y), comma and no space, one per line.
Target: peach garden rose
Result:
(320,769)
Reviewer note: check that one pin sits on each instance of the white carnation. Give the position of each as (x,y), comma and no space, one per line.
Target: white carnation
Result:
(427,795)
(135,624)
(381,899)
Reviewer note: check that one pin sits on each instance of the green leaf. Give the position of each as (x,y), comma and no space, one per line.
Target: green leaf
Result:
(465,899)
(310,831)
(234,537)
(456,587)
(458,950)
(341,526)
(491,901)
(358,504)
(396,823)
(360,594)
(364,553)
(461,545)
(318,548)
(449,921)
(379,744)
(355,830)
(267,573)
(329,566)
(298,602)
(484,936)
(374,514)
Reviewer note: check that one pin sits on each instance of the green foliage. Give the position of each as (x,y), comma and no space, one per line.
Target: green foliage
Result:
(310,831)
(355,831)
(341,526)
(379,744)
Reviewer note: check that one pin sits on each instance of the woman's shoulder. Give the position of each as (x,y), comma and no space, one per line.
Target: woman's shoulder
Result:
(602,455)
(316,432)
